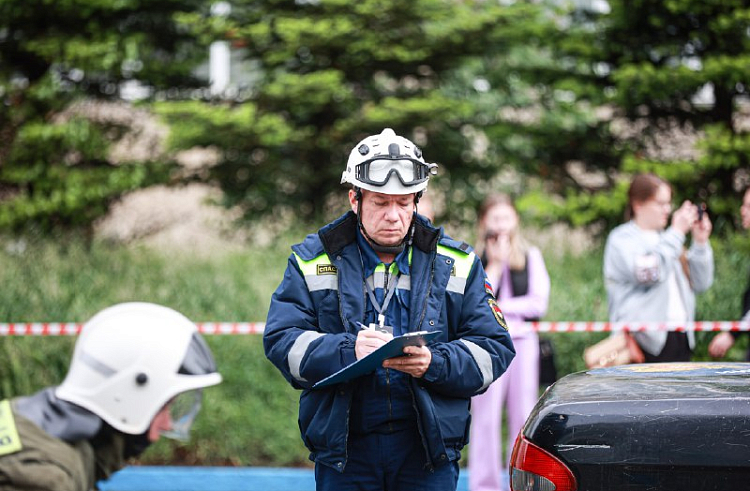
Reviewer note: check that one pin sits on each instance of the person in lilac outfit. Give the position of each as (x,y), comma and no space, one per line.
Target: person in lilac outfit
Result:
(521,284)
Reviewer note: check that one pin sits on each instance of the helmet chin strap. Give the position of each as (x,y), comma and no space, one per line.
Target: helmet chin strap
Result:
(380,248)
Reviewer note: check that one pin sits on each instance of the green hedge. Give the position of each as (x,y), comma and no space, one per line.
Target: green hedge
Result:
(250,419)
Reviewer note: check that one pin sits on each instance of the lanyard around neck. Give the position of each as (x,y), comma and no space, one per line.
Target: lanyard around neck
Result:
(388,296)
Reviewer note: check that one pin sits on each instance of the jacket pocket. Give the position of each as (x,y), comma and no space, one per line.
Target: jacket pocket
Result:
(327,307)
(323,419)
(453,417)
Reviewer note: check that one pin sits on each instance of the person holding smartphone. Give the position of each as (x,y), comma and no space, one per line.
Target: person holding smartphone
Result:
(519,278)
(648,273)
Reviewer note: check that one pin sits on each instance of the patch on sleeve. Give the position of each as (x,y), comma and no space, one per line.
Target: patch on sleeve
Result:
(488,287)
(499,317)
(10,442)
(647,268)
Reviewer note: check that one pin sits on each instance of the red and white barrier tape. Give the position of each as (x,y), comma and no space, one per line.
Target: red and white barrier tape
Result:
(697,326)
(231,327)
(72,328)
(40,329)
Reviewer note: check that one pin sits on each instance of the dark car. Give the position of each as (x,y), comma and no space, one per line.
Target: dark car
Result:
(667,426)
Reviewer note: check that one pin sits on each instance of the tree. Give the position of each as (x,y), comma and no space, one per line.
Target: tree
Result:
(688,45)
(55,167)
(622,90)
(331,72)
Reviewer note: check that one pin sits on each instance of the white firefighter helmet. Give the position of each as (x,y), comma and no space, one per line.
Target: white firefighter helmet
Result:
(388,164)
(132,359)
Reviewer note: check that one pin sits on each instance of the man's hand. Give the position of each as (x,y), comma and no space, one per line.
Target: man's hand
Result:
(720,344)
(415,362)
(368,340)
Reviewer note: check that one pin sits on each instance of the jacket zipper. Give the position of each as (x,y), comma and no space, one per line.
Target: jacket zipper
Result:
(428,464)
(387,371)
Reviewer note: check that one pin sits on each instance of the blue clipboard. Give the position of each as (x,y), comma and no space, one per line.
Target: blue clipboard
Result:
(368,364)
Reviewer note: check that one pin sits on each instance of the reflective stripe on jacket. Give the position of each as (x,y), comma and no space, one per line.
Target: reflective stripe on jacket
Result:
(312,327)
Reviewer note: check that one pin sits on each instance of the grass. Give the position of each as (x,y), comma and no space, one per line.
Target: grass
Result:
(253,413)
(250,419)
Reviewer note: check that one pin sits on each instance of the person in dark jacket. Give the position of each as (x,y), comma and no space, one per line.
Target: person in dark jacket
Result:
(382,270)
(137,373)
(721,343)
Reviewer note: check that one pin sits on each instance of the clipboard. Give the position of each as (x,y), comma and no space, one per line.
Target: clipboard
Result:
(368,364)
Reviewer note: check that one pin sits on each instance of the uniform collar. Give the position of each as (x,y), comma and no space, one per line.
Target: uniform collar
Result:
(335,236)
(370,259)
(59,418)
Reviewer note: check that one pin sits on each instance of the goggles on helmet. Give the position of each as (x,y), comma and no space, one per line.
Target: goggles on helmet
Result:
(183,410)
(378,170)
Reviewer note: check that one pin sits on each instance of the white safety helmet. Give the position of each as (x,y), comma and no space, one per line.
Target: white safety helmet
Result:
(131,360)
(388,164)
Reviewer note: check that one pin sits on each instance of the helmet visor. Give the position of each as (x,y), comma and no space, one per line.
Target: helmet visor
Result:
(378,171)
(183,409)
(198,358)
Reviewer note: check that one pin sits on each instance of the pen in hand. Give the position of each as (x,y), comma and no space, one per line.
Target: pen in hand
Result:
(369,339)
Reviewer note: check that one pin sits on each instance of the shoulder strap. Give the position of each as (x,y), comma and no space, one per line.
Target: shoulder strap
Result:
(686,267)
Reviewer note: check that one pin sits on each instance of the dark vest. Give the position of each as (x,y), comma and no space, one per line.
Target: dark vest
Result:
(519,282)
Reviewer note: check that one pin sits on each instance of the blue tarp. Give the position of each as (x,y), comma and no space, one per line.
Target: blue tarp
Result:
(163,478)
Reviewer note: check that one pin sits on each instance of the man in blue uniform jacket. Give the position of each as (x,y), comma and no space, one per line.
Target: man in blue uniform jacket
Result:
(379,271)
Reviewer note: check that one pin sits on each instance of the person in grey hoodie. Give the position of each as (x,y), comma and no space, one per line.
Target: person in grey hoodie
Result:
(649,275)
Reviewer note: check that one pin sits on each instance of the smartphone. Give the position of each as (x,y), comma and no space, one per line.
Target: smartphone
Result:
(701,210)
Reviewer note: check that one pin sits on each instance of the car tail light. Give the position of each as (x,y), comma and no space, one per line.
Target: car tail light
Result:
(534,469)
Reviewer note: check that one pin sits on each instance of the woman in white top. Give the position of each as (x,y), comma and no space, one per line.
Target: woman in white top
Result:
(649,275)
